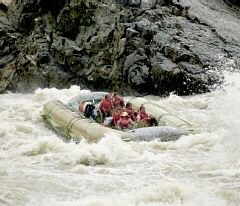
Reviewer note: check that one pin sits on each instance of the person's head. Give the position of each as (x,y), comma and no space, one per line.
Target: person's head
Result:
(129,105)
(107,96)
(118,110)
(124,115)
(115,94)
(142,109)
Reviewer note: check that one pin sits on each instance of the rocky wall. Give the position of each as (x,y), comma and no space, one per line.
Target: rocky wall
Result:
(130,46)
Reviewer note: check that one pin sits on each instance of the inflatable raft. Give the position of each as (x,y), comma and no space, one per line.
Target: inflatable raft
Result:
(72,124)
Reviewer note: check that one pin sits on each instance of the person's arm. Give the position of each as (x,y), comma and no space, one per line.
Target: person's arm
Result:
(122,102)
(115,119)
(149,116)
(138,118)
(81,106)
(101,108)
(118,125)
(130,121)
(100,105)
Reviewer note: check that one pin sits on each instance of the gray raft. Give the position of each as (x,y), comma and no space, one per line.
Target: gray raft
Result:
(162,133)
(69,122)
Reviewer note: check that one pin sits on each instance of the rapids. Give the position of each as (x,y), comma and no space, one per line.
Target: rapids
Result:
(37,167)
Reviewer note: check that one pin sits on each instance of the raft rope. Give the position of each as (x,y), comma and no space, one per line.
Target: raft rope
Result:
(69,127)
(61,106)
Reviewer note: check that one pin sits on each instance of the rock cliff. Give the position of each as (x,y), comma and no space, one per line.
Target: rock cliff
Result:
(130,46)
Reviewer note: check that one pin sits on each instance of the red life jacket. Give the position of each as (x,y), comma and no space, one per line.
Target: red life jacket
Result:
(118,102)
(130,113)
(144,116)
(116,117)
(105,105)
(123,123)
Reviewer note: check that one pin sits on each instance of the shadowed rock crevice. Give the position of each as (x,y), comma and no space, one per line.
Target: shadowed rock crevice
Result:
(235,2)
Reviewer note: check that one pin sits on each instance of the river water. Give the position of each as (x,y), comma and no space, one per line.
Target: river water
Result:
(38,168)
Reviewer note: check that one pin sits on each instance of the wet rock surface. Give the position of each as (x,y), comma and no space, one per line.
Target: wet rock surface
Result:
(130,46)
(235,2)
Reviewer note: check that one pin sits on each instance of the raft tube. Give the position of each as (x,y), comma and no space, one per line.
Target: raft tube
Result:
(73,125)
(162,133)
(163,116)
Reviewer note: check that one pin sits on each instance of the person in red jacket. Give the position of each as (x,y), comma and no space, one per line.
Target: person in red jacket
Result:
(117,115)
(143,118)
(146,119)
(117,100)
(106,106)
(131,113)
(124,122)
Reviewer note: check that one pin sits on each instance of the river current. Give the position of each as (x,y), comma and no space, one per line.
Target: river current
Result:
(37,167)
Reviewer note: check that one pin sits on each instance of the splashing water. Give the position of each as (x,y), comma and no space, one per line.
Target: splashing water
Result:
(37,167)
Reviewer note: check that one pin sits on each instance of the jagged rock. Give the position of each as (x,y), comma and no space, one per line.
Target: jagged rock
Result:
(165,74)
(133,46)
(130,33)
(43,57)
(236,2)
(144,28)
(5,60)
(138,76)
(134,3)
(147,4)
(22,15)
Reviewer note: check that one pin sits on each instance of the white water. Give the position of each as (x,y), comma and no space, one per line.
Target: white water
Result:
(38,168)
